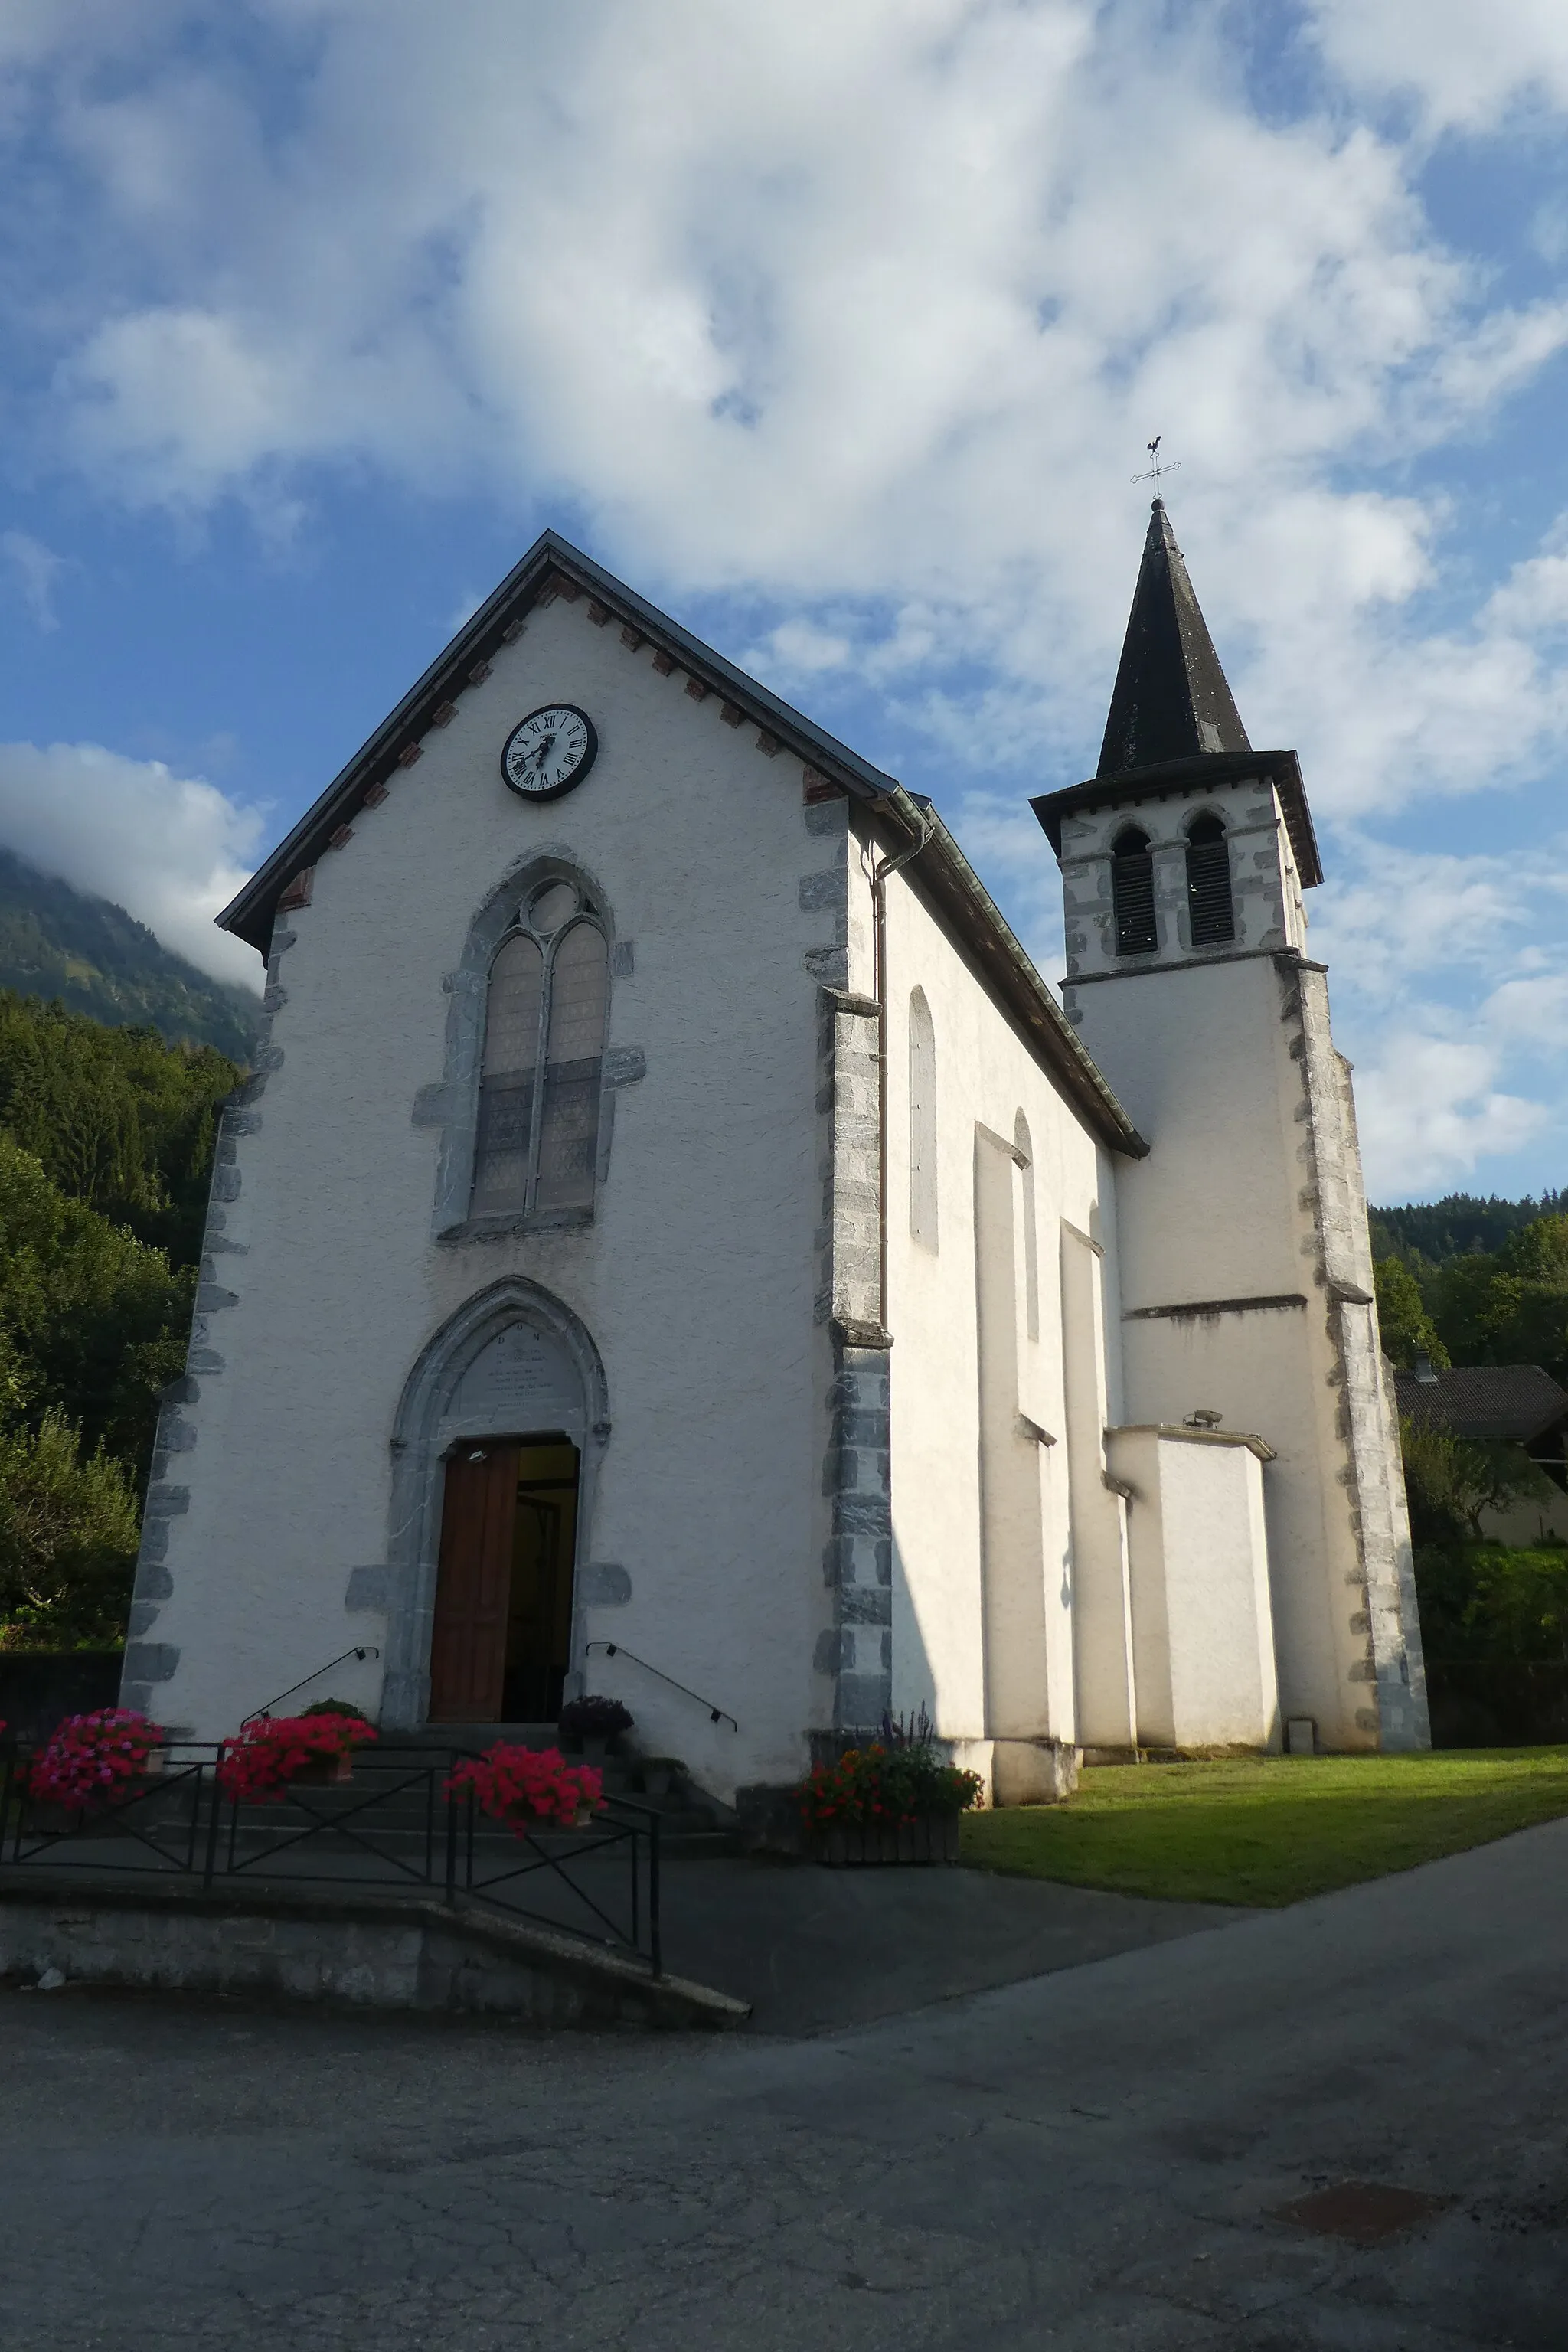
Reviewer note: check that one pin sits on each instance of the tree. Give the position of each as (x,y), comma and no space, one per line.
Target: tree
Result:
(68,1539)
(1524,1319)
(92,1321)
(115,1117)
(1405,1327)
(1451,1481)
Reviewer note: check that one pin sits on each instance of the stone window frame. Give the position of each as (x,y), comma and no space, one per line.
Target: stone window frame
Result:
(453,1104)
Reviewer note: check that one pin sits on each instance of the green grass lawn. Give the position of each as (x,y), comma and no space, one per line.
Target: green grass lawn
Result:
(1269,1830)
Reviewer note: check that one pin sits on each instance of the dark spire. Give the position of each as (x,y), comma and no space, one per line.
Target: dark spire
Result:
(1171,700)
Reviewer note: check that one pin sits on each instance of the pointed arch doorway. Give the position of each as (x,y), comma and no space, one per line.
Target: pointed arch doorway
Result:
(485,1556)
(500,1639)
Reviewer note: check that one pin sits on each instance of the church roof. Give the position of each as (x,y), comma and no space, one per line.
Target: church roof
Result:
(553,567)
(1171,700)
(1174,725)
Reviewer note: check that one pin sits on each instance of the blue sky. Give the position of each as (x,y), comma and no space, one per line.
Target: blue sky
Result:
(840,332)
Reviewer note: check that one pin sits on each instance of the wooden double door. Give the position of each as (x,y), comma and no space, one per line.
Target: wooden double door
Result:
(501,1641)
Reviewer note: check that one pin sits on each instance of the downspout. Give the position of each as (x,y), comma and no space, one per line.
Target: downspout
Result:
(879,874)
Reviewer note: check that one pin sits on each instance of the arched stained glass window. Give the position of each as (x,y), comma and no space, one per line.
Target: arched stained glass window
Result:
(1023,1160)
(537,1145)
(1132,893)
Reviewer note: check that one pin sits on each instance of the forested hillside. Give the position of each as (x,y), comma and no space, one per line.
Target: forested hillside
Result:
(106,1144)
(56,942)
(1468,1305)
(1437,1230)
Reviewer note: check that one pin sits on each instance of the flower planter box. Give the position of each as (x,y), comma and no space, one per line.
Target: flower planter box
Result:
(853,1844)
(331,1772)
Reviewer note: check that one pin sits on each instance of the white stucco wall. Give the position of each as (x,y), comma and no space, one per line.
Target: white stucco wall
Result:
(1202,1630)
(695,1279)
(985,1075)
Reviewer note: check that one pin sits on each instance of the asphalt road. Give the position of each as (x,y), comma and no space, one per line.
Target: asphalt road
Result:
(1097,2157)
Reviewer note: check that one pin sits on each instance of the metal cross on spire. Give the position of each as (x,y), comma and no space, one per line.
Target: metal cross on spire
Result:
(1173,464)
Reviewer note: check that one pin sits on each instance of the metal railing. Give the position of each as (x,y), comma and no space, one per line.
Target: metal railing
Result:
(619,1649)
(362,1651)
(392,1824)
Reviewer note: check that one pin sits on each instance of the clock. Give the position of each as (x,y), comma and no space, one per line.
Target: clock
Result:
(548,752)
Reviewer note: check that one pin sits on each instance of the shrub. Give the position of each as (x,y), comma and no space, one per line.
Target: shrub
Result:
(525,1786)
(595,1718)
(880,1786)
(1492,1602)
(89,1759)
(256,1766)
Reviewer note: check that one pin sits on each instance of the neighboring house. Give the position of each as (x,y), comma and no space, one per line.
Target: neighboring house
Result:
(671,1210)
(1501,1405)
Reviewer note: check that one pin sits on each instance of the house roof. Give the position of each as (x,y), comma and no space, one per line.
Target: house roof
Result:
(553,567)
(1494,1402)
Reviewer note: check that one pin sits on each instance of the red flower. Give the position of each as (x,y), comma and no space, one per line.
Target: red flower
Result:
(526,1786)
(88,1755)
(256,1766)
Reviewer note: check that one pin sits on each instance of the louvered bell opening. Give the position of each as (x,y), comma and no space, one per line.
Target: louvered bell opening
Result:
(1208,892)
(1133,898)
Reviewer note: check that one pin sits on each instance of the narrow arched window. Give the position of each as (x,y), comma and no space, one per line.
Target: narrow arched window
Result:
(1132,893)
(537,1148)
(1209,908)
(922,1121)
(1023,1160)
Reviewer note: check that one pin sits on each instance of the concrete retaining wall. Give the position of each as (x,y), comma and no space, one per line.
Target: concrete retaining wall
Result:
(367,1952)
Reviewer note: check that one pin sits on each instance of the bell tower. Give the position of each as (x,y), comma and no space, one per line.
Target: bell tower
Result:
(1245,1267)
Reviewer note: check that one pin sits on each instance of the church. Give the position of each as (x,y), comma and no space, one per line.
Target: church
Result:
(674,1243)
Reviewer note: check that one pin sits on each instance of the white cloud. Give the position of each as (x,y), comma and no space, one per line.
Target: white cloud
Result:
(868,313)
(798,649)
(37,570)
(1429,1110)
(1464,64)
(171,850)
(1403,915)
(1450,983)
(877,304)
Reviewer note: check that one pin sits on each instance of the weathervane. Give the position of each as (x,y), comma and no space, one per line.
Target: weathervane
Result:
(1156,470)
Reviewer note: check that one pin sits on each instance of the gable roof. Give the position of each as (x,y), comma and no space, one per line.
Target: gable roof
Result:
(1485,1402)
(554,568)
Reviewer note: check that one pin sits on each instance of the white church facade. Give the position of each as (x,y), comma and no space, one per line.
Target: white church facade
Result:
(669,1211)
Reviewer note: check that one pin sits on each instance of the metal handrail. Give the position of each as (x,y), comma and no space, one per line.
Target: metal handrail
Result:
(619,1649)
(364,1649)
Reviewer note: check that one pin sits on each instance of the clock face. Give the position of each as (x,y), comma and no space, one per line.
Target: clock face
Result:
(548,752)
